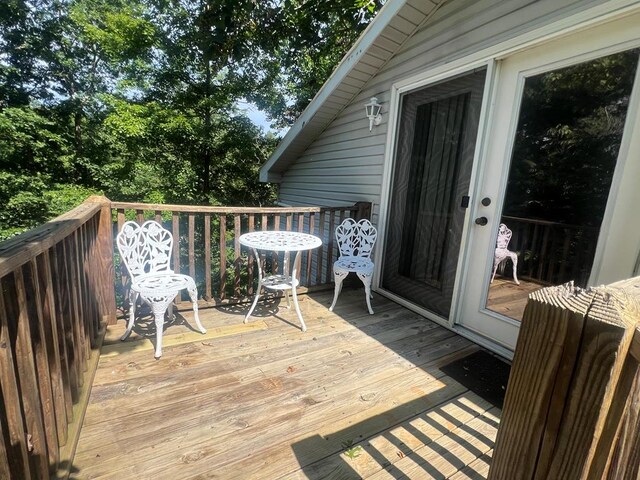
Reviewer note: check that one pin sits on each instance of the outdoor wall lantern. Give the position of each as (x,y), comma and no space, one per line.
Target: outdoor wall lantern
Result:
(373,112)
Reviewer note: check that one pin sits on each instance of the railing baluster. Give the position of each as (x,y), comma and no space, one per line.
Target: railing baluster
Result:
(250,259)
(312,217)
(330,244)
(17,453)
(237,258)
(51,336)
(158,216)
(90,315)
(274,255)
(122,269)
(39,454)
(302,254)
(175,231)
(320,252)
(192,246)
(78,307)
(223,256)
(40,344)
(82,292)
(64,350)
(140,216)
(207,257)
(288,227)
(264,226)
(70,319)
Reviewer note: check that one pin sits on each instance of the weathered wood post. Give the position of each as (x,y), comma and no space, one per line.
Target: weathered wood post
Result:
(364,210)
(572,403)
(104,276)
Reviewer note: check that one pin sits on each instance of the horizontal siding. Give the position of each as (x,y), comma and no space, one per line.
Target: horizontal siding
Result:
(344,164)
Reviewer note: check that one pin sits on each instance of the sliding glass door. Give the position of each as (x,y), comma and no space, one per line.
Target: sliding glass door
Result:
(432,170)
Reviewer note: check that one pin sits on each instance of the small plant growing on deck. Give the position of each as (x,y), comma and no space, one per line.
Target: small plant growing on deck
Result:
(351,451)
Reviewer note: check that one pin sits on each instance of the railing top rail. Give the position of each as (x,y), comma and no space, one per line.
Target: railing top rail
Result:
(219,209)
(534,221)
(20,249)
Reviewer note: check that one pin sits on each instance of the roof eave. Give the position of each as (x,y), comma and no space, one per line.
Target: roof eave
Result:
(268,171)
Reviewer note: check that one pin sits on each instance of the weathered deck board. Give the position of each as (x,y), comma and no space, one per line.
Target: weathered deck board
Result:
(273,402)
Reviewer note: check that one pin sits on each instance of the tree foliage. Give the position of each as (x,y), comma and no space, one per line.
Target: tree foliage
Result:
(138,99)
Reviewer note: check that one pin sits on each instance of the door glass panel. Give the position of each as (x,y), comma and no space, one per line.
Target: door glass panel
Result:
(564,155)
(436,143)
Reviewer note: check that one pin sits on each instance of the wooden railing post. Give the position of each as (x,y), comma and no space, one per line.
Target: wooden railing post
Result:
(103,261)
(364,210)
(571,406)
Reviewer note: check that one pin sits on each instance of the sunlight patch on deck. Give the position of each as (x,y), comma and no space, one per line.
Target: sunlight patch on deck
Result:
(143,344)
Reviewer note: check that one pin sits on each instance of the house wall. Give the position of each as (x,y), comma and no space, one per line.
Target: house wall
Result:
(345,163)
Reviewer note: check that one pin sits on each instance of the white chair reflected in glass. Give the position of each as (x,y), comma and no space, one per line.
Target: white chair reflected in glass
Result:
(502,253)
(146,252)
(355,241)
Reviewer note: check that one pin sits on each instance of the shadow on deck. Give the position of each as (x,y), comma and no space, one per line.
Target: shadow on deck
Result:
(356,396)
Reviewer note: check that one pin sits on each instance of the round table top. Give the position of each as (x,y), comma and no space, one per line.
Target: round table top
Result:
(280,241)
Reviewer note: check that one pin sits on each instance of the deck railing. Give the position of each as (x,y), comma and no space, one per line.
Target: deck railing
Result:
(551,253)
(56,293)
(206,243)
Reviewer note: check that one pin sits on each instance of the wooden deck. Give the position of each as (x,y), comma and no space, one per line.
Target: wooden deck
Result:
(509,299)
(356,396)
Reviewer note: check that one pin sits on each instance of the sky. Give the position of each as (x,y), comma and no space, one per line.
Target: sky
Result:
(258,117)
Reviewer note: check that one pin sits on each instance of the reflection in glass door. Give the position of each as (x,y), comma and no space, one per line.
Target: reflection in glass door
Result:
(567,141)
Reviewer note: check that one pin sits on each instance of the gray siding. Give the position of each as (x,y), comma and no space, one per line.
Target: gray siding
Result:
(345,163)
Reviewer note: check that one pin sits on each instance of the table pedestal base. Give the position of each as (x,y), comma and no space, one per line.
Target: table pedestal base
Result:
(282,282)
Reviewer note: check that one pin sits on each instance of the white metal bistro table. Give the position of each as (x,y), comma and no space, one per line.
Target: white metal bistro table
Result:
(280,241)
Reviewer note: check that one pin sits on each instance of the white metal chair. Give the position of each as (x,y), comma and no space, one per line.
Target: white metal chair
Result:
(502,254)
(355,241)
(146,252)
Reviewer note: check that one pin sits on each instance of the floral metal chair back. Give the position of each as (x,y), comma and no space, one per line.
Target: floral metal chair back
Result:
(356,239)
(504,237)
(145,248)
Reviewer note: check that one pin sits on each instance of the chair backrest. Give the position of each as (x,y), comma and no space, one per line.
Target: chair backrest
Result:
(145,248)
(356,239)
(504,237)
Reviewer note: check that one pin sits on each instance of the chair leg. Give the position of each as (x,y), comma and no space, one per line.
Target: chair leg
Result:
(193,294)
(366,279)
(495,268)
(159,311)
(132,316)
(338,278)
(514,259)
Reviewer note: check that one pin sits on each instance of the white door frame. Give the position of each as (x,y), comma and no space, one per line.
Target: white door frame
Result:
(488,57)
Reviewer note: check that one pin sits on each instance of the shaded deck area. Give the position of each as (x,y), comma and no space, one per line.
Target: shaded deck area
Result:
(356,396)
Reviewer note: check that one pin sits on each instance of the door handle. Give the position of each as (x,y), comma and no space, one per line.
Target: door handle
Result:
(482,221)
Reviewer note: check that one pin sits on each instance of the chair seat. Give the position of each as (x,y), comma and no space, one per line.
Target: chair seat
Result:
(161,283)
(353,264)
